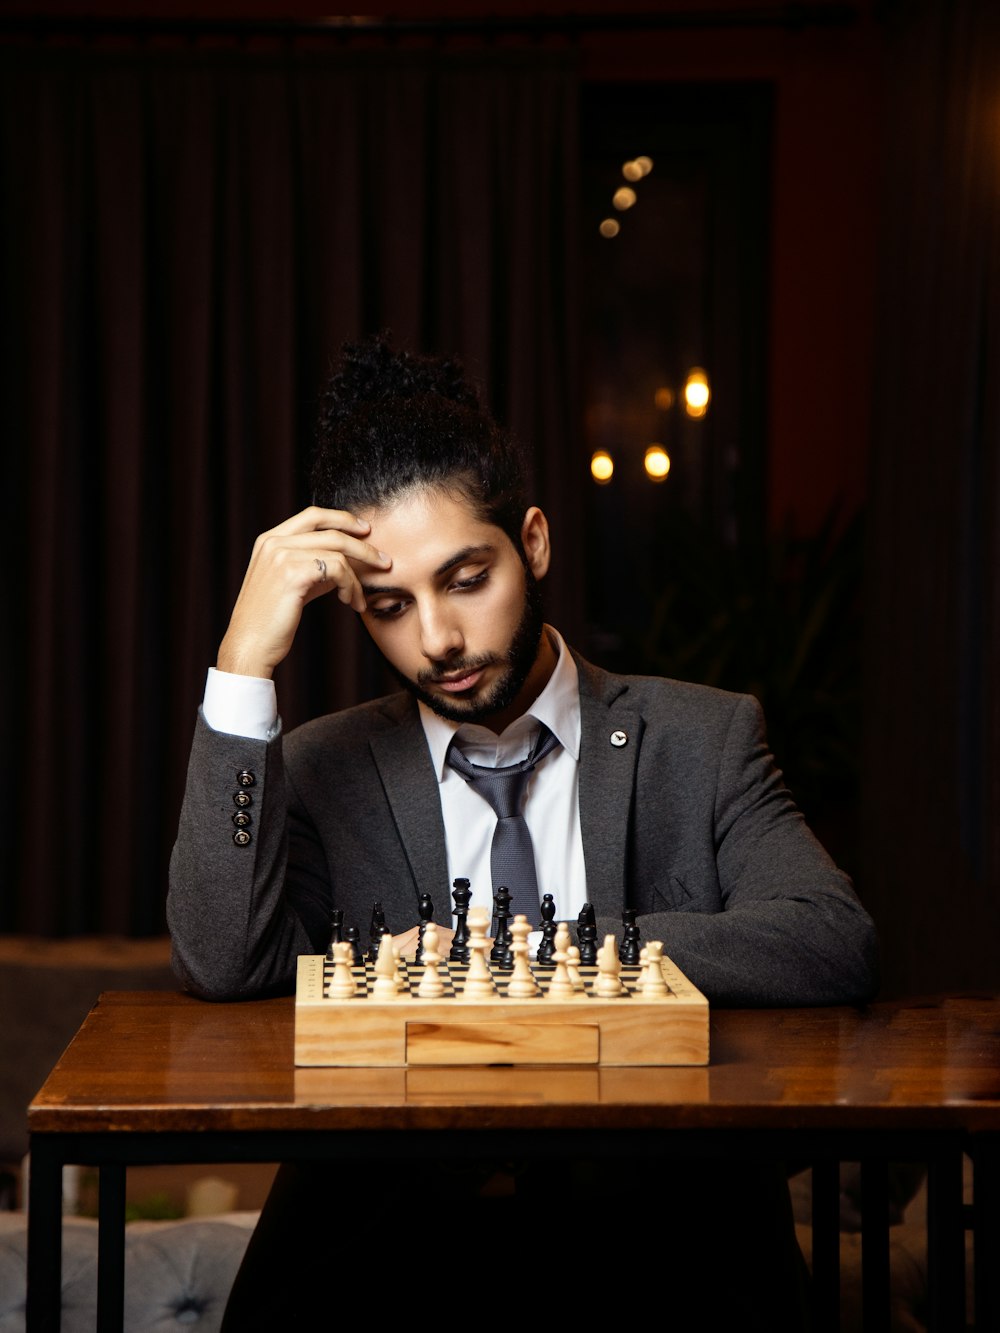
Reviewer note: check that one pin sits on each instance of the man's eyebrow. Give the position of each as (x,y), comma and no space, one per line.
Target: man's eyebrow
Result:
(459,558)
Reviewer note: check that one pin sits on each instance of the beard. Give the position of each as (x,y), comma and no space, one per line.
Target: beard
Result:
(517,661)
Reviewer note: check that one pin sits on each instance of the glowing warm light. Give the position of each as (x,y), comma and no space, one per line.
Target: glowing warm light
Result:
(623,198)
(645,165)
(664,398)
(656,462)
(602,467)
(632,171)
(609,227)
(696,393)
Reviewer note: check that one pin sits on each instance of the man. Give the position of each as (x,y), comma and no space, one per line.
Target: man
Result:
(641,792)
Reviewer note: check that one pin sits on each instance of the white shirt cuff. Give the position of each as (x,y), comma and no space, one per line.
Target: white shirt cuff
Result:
(240,705)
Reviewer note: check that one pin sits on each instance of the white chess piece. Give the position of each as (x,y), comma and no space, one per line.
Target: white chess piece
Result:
(385,987)
(431,986)
(655,987)
(523,985)
(573,967)
(609,967)
(479,983)
(342,983)
(561,985)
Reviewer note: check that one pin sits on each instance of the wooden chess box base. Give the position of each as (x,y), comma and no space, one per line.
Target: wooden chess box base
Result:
(583,1029)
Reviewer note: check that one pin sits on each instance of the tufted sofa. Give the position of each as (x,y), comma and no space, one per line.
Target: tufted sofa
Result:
(177,1274)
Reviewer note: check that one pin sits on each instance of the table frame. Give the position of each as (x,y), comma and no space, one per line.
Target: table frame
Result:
(807,1087)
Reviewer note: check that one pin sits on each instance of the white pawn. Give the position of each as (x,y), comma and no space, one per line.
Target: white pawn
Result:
(385,987)
(479,983)
(655,986)
(640,981)
(609,968)
(561,984)
(342,983)
(523,985)
(431,986)
(573,967)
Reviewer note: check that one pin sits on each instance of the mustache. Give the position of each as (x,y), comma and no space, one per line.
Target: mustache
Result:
(459,666)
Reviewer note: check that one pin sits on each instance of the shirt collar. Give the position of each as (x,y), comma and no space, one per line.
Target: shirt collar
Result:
(558,707)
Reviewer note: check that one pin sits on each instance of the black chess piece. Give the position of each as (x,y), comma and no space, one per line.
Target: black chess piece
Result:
(351,936)
(629,952)
(586,931)
(462,894)
(376,930)
(502,953)
(336,925)
(547,946)
(425,911)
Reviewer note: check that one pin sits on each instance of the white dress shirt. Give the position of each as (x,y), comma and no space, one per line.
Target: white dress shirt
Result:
(551,808)
(247,706)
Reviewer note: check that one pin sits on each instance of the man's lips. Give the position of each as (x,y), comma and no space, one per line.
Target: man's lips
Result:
(457,684)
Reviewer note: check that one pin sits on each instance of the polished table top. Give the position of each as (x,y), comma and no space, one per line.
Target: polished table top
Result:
(165,1062)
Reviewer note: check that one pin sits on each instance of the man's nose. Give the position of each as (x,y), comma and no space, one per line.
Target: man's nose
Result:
(440,635)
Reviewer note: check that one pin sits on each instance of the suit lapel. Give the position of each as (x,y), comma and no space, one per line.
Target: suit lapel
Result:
(404,765)
(607,783)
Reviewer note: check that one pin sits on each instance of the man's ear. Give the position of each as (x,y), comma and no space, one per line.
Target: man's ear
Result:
(535,542)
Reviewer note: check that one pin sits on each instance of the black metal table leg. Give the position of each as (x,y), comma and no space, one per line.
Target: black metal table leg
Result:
(826,1246)
(875,1245)
(985,1150)
(945,1243)
(44,1305)
(111,1249)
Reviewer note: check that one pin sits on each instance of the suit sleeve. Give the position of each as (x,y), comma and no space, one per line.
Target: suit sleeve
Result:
(791,930)
(236,931)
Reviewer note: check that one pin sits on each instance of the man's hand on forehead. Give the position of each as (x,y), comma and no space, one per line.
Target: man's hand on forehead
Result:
(315,552)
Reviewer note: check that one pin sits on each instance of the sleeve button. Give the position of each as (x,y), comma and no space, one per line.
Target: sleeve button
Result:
(241,819)
(245,778)
(242,799)
(241,837)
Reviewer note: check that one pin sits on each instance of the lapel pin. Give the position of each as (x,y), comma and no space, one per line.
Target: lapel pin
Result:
(618,739)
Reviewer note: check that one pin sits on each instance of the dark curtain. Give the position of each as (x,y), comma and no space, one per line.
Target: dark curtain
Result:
(186,238)
(933,763)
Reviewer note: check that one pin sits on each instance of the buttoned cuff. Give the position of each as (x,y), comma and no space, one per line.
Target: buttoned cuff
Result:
(240,705)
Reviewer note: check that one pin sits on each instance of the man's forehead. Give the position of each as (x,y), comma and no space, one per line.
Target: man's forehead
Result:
(426,533)
(424,522)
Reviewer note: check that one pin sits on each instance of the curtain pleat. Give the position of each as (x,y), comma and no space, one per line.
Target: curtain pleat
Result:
(186,239)
(932,768)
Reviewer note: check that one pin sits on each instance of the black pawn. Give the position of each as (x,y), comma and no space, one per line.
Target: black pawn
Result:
(629,952)
(376,930)
(547,946)
(462,894)
(425,910)
(502,953)
(586,932)
(351,936)
(336,931)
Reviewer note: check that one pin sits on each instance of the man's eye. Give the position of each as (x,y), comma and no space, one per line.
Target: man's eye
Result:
(386,610)
(473,581)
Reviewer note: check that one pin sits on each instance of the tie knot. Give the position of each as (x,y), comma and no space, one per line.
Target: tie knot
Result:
(504,787)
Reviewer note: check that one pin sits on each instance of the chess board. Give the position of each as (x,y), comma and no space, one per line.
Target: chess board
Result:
(581,1029)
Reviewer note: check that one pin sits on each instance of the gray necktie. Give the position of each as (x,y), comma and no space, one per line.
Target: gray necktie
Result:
(512,857)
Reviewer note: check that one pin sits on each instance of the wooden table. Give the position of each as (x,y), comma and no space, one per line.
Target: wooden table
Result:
(162,1077)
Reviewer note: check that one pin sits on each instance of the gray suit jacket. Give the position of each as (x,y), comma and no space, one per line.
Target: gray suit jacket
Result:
(689,822)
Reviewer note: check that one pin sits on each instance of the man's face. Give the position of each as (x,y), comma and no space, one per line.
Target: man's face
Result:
(457,615)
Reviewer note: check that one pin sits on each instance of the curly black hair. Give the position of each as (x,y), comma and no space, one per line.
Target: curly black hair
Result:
(391,421)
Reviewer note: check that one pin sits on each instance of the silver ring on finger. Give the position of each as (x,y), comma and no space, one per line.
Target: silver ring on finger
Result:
(321,566)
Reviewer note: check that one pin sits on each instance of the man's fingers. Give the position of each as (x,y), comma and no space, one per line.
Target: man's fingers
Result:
(316,519)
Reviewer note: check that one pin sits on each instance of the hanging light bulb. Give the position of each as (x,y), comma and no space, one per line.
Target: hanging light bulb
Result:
(696,393)
(656,462)
(602,467)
